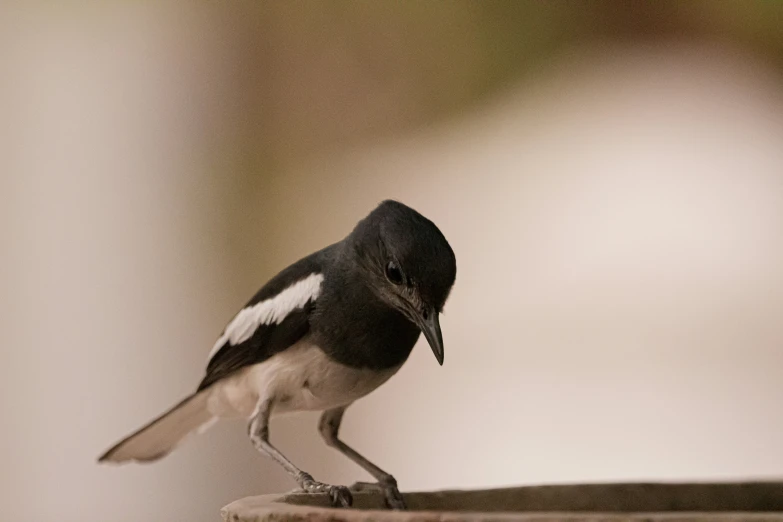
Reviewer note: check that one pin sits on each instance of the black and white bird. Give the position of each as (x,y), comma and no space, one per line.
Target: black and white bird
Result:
(325,331)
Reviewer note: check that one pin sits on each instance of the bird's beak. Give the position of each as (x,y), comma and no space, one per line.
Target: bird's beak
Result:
(431,329)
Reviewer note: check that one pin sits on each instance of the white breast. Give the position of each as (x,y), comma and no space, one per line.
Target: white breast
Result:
(300,378)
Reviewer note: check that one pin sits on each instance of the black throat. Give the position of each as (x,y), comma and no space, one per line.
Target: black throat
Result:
(353,326)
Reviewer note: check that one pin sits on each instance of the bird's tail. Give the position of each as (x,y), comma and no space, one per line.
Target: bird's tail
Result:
(159,437)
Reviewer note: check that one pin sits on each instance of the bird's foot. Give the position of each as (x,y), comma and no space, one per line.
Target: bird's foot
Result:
(340,496)
(392,496)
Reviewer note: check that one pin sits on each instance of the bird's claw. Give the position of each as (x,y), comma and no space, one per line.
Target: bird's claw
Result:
(394,498)
(339,496)
(391,495)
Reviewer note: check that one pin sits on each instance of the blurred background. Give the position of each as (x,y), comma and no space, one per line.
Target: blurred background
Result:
(609,174)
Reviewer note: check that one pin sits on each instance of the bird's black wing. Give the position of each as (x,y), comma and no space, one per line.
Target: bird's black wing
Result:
(275,318)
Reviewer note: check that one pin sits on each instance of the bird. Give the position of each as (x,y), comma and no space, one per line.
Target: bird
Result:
(321,334)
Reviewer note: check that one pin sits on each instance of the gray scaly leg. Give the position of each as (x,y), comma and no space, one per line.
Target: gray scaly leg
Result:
(259,436)
(329,426)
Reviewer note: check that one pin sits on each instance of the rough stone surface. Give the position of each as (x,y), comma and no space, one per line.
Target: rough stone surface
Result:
(757,501)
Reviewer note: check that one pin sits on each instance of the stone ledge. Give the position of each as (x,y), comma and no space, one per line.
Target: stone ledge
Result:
(721,502)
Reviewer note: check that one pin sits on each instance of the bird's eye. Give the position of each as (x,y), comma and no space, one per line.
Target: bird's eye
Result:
(393,273)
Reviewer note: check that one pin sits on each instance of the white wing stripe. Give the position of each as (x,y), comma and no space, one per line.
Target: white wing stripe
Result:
(270,311)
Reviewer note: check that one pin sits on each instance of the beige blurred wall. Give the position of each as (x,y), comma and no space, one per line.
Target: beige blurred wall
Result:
(120,263)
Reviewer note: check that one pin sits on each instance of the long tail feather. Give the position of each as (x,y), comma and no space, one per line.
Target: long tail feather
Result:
(159,437)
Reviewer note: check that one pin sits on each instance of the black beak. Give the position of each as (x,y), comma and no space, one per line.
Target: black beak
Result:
(430,326)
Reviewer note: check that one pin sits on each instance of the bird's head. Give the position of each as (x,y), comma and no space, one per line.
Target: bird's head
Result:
(408,263)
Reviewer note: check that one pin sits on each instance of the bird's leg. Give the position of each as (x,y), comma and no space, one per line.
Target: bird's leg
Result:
(259,436)
(329,426)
